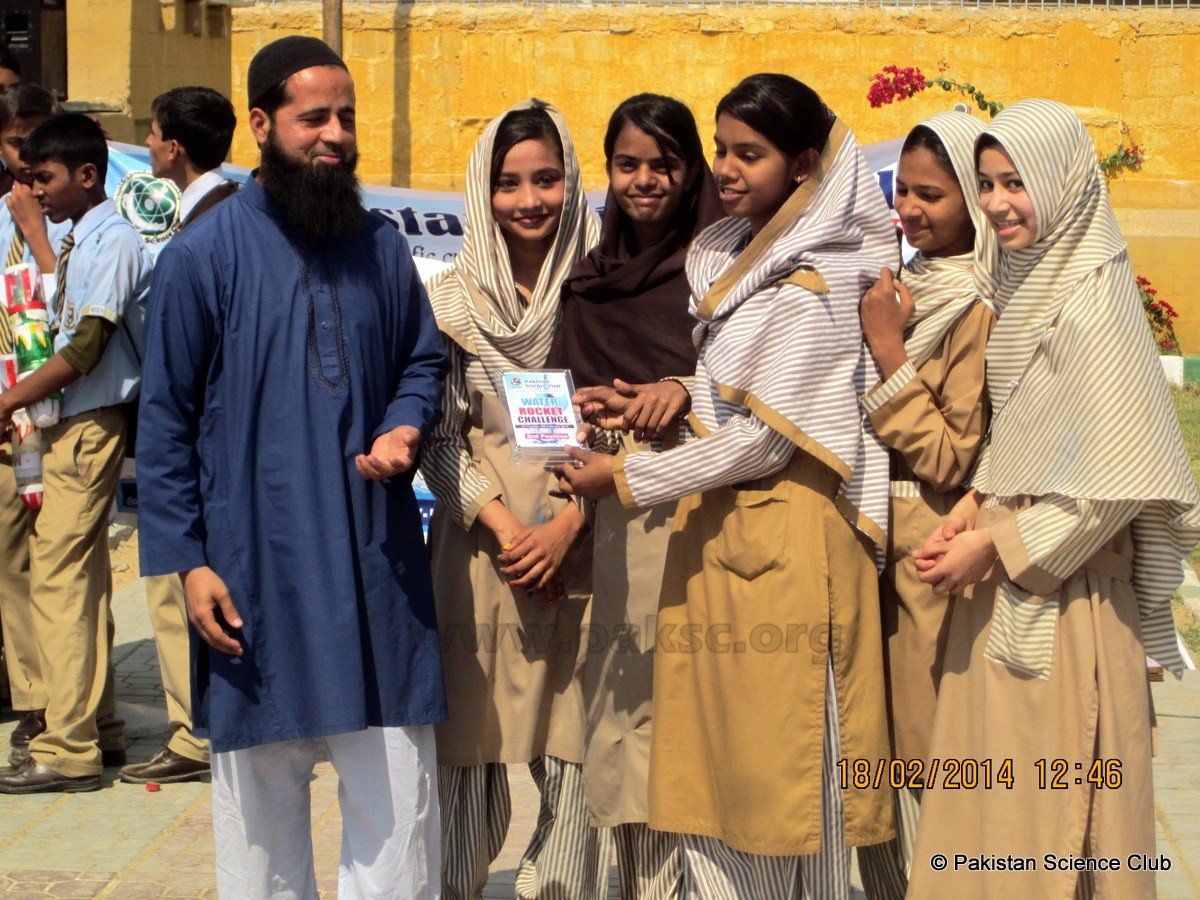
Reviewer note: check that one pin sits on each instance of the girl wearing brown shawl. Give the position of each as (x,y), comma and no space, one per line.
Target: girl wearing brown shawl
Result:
(626,321)
(767,664)
(510,579)
(1068,547)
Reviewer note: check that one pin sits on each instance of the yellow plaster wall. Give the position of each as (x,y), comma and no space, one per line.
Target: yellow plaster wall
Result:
(430,76)
(124,53)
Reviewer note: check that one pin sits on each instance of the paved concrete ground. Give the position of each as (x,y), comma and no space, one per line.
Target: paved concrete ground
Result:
(124,842)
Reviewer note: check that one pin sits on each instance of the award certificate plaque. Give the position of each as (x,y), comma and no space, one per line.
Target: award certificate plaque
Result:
(541,419)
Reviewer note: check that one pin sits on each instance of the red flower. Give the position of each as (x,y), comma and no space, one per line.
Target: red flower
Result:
(895,83)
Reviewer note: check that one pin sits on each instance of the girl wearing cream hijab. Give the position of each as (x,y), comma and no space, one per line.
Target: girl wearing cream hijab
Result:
(929,407)
(511,581)
(1066,551)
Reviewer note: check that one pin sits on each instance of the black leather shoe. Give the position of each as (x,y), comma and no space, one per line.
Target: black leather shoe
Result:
(111,759)
(31,777)
(166,767)
(32,723)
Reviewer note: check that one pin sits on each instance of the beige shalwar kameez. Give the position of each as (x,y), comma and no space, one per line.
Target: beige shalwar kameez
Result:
(768,622)
(1094,706)
(933,425)
(1090,505)
(512,661)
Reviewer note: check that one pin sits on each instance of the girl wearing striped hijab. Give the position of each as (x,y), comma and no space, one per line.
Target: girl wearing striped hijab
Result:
(767,666)
(511,581)
(1069,546)
(929,407)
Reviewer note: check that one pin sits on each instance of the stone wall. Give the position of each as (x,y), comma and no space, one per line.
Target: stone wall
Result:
(121,54)
(430,75)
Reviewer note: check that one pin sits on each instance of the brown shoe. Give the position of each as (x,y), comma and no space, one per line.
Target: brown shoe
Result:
(31,777)
(166,767)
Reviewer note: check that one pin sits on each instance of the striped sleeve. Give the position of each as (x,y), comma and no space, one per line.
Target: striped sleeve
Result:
(1042,545)
(744,447)
(886,390)
(447,463)
(607,442)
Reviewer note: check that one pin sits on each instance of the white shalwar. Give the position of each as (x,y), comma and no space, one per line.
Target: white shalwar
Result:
(387,793)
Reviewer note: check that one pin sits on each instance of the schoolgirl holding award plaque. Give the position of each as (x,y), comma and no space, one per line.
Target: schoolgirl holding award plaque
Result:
(768,665)
(626,322)
(1066,551)
(511,580)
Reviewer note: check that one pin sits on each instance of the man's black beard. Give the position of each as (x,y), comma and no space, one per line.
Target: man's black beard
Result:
(319,201)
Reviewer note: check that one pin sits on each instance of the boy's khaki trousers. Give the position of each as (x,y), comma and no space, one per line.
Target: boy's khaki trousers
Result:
(71,591)
(20,645)
(168,616)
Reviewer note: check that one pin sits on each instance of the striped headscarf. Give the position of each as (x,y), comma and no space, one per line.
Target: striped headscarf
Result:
(1080,405)
(944,288)
(476,301)
(797,359)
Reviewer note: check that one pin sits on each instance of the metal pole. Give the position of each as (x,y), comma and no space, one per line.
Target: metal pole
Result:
(331,24)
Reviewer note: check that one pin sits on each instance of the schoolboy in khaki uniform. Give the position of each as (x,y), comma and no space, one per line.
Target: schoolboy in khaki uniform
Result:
(103,276)
(26,236)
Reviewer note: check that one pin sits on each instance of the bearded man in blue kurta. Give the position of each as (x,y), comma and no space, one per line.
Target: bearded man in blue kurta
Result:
(292,363)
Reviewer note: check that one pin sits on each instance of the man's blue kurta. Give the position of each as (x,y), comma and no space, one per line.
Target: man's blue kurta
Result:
(270,364)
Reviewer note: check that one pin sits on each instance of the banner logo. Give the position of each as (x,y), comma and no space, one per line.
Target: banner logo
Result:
(149,204)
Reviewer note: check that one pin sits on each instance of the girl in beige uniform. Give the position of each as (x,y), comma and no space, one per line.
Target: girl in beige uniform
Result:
(1068,549)
(930,408)
(511,579)
(768,663)
(626,320)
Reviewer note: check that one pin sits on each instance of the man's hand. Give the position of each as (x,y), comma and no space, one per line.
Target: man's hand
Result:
(883,321)
(6,414)
(393,452)
(208,606)
(645,410)
(593,479)
(967,558)
(534,558)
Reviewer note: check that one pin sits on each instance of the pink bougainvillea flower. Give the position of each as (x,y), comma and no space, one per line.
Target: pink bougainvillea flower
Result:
(895,83)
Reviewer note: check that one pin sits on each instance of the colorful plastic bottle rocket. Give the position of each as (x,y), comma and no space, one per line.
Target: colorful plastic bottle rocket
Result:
(29,321)
(26,448)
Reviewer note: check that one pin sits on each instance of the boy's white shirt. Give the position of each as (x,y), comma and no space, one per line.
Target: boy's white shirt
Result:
(196,191)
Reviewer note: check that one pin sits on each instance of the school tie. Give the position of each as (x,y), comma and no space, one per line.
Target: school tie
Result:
(16,250)
(60,274)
